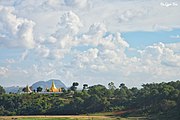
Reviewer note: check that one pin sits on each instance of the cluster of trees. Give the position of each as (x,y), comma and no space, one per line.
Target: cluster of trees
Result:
(154,100)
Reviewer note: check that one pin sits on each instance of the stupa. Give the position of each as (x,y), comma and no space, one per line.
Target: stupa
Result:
(27,89)
(54,89)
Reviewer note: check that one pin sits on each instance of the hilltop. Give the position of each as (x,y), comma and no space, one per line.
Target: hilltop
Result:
(47,84)
(43,84)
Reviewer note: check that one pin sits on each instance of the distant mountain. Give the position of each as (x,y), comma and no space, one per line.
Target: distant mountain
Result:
(47,84)
(13,89)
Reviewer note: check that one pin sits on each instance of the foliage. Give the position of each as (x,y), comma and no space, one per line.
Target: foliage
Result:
(2,91)
(39,89)
(155,100)
(74,86)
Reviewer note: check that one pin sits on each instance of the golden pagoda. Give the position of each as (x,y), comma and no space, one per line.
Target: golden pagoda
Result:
(27,89)
(53,88)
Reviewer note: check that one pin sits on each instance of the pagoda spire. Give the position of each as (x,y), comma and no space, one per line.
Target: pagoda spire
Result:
(27,89)
(53,85)
(53,88)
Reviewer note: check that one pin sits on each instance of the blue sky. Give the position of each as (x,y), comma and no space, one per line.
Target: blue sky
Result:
(142,39)
(89,41)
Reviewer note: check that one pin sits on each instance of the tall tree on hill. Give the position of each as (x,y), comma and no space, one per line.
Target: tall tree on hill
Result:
(39,89)
(85,86)
(2,91)
(74,86)
(111,86)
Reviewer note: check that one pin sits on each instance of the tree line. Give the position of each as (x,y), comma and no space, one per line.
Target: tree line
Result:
(154,100)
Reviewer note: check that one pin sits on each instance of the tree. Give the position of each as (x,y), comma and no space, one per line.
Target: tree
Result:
(74,86)
(121,85)
(75,83)
(77,105)
(99,90)
(153,99)
(85,86)
(63,90)
(93,104)
(24,88)
(111,86)
(39,89)
(167,104)
(2,90)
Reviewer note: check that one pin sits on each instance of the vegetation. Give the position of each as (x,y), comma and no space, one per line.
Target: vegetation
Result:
(155,101)
(81,118)
(2,91)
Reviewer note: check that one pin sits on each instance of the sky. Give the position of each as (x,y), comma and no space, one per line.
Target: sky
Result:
(89,41)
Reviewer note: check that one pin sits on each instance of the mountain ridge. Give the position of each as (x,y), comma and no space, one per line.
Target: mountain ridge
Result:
(47,84)
(43,84)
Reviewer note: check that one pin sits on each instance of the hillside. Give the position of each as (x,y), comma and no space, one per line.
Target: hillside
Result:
(13,89)
(47,84)
(155,101)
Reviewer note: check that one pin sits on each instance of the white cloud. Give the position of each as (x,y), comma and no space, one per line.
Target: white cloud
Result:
(160,60)
(175,47)
(15,31)
(88,56)
(62,40)
(24,55)
(152,53)
(10,61)
(69,24)
(157,27)
(170,58)
(52,39)
(80,40)
(42,51)
(117,15)
(175,36)
(76,3)
(97,28)
(130,14)
(3,71)
(57,53)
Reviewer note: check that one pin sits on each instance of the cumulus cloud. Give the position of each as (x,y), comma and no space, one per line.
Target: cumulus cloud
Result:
(3,71)
(63,39)
(88,55)
(51,39)
(24,55)
(80,40)
(174,46)
(76,3)
(42,51)
(97,28)
(118,15)
(62,46)
(157,27)
(104,51)
(130,14)
(159,59)
(69,24)
(15,31)
(10,61)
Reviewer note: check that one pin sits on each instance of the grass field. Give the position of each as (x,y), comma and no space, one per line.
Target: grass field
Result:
(94,116)
(80,118)
(67,118)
